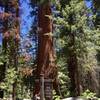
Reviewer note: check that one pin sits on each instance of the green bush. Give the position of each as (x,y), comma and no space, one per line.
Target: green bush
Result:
(89,95)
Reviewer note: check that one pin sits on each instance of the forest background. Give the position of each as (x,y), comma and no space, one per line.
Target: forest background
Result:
(76,39)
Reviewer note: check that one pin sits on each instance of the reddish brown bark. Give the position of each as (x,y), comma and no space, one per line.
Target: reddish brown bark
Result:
(46,55)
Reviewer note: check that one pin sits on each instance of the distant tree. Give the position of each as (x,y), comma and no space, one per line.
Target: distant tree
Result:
(4,43)
(96,12)
(10,40)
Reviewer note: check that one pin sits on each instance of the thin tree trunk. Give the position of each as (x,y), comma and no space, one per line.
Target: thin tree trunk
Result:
(12,42)
(73,68)
(15,49)
(4,46)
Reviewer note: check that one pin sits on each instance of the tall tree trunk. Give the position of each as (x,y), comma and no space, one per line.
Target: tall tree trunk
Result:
(73,68)
(72,57)
(46,56)
(14,5)
(4,46)
(96,10)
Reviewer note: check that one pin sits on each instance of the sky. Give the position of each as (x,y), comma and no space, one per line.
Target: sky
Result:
(1,11)
(25,19)
(89,3)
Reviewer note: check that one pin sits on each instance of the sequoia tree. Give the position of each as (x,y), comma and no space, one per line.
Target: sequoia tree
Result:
(46,56)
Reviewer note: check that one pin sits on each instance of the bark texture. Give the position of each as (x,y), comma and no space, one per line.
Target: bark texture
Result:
(46,56)
(73,69)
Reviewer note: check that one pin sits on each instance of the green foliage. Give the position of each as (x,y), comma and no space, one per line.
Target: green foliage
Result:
(89,95)
(76,21)
(11,76)
(55,97)
(63,76)
(1,59)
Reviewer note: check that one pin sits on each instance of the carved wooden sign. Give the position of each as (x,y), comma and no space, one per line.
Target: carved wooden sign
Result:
(48,88)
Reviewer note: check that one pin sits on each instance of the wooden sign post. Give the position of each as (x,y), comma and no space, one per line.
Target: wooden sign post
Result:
(42,88)
(46,88)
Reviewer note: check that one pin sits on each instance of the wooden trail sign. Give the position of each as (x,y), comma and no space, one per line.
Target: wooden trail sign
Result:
(46,88)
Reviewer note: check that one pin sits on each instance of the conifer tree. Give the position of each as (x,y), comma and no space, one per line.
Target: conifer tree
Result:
(4,43)
(46,56)
(11,38)
(96,12)
(77,33)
